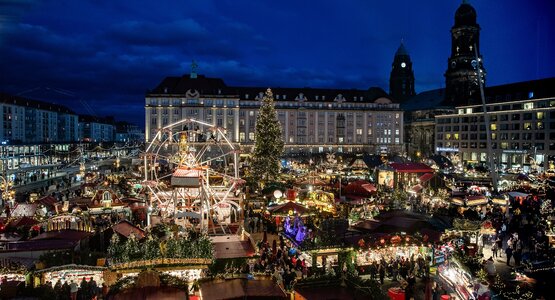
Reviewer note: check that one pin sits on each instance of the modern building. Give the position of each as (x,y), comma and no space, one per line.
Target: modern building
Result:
(522,123)
(30,121)
(96,129)
(312,120)
(127,132)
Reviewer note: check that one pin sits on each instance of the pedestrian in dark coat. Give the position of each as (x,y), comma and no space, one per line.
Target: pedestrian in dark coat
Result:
(509,253)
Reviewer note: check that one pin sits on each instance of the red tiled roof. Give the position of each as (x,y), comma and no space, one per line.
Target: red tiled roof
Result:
(411,168)
(125,228)
(417,188)
(48,200)
(426,177)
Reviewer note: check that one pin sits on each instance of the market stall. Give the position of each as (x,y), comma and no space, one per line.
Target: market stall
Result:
(390,247)
(68,273)
(465,234)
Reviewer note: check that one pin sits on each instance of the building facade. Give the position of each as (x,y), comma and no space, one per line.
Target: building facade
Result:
(312,120)
(522,133)
(30,121)
(96,129)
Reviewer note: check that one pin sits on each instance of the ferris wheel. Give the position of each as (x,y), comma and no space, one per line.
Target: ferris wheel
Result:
(191,171)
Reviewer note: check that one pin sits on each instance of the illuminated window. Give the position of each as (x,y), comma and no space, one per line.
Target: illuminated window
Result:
(504,145)
(493,126)
(529,105)
(527,126)
(456,136)
(251,136)
(359,131)
(539,115)
(447,136)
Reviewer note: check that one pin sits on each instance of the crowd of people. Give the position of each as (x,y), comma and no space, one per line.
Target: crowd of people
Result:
(283,263)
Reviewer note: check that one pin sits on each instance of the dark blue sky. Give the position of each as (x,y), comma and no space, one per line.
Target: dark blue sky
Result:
(108,53)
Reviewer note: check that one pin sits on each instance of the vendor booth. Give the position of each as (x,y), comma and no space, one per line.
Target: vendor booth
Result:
(390,247)
(465,235)
(69,273)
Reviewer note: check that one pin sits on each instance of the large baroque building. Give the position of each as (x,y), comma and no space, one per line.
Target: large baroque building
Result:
(312,120)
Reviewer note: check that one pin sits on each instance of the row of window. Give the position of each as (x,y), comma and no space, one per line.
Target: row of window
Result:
(496,127)
(540,115)
(495,145)
(509,106)
(494,136)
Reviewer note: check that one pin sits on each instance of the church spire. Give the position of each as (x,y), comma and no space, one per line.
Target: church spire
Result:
(401,80)
(194,68)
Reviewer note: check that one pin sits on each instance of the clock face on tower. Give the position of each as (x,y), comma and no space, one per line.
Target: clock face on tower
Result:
(403,64)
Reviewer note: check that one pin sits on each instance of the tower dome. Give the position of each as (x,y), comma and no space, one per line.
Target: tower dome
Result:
(465,15)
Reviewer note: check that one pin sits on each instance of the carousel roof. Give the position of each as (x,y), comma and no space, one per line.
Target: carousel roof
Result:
(286,207)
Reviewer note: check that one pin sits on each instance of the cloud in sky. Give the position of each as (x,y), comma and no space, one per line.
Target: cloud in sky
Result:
(109,53)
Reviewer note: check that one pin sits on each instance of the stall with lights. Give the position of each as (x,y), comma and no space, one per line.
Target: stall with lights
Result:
(390,247)
(68,273)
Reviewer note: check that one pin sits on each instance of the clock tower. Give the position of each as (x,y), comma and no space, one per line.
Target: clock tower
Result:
(461,77)
(401,80)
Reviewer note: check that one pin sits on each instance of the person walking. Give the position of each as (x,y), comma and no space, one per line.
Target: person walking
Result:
(494,250)
(509,253)
(381,271)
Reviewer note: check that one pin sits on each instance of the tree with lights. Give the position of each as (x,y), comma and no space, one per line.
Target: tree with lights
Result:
(268,145)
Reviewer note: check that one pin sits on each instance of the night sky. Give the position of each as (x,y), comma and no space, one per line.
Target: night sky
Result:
(100,57)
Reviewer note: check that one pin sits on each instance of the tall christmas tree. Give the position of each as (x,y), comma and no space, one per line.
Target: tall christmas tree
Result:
(268,145)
